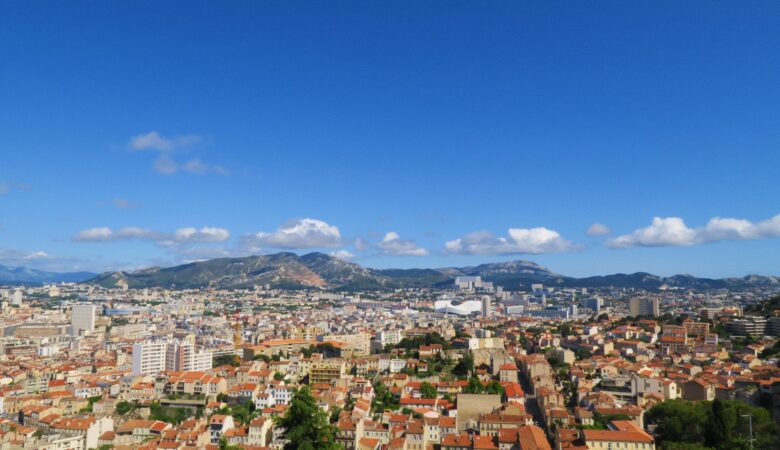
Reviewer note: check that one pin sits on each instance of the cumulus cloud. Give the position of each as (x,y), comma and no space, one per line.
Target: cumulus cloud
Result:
(155,141)
(392,244)
(342,254)
(672,231)
(519,241)
(39,260)
(205,234)
(303,233)
(166,163)
(188,235)
(17,256)
(597,229)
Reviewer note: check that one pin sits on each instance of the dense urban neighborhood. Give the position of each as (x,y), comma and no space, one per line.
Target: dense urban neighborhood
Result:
(463,366)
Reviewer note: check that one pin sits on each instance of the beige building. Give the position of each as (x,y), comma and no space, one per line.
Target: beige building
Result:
(326,371)
(625,435)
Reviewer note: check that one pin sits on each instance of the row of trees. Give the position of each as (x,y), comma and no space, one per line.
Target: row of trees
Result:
(723,425)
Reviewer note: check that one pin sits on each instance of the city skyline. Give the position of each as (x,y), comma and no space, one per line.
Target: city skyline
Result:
(429,136)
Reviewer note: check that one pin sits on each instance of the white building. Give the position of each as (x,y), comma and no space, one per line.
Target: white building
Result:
(82,318)
(16,299)
(149,357)
(462,309)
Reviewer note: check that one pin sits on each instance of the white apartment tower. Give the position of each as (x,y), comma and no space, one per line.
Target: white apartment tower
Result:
(150,358)
(16,299)
(82,318)
(182,356)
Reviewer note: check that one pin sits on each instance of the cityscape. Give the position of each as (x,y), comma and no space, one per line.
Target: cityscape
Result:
(430,225)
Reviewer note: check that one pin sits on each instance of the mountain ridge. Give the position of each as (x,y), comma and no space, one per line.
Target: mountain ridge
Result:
(26,275)
(322,271)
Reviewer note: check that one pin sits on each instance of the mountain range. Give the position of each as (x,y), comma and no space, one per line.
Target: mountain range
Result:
(24,275)
(319,270)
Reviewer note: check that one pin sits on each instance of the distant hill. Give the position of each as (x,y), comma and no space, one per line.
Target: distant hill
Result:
(27,276)
(318,270)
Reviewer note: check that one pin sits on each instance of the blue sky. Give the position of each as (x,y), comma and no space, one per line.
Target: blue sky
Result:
(402,134)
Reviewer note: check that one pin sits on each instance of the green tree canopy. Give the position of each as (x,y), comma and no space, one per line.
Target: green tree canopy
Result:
(428,390)
(306,426)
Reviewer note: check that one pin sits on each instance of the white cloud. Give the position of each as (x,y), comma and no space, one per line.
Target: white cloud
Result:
(37,259)
(519,241)
(205,234)
(672,231)
(392,244)
(4,188)
(155,141)
(165,163)
(342,254)
(303,233)
(360,244)
(597,229)
(94,235)
(123,203)
(187,235)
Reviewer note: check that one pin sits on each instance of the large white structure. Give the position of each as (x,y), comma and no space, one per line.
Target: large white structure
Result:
(82,318)
(462,309)
(153,357)
(149,357)
(16,299)
(183,357)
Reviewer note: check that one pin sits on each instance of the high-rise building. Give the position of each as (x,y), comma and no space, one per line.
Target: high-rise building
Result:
(149,357)
(16,299)
(485,306)
(182,356)
(82,318)
(639,306)
(594,303)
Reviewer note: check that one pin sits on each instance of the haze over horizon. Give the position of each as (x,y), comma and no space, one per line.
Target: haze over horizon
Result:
(590,140)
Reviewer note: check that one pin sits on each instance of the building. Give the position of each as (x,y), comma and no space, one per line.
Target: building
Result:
(149,358)
(755,326)
(485,306)
(359,344)
(82,318)
(16,298)
(594,304)
(623,434)
(326,371)
(182,356)
(644,307)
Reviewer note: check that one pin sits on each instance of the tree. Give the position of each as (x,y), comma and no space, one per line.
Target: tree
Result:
(428,390)
(720,424)
(474,386)
(494,387)
(224,360)
(384,399)
(123,407)
(306,426)
(464,366)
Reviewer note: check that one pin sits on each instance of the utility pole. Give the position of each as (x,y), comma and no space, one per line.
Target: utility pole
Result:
(750,428)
